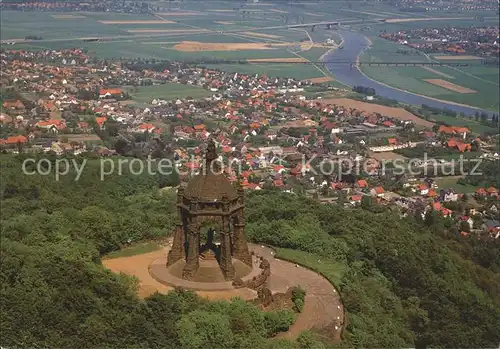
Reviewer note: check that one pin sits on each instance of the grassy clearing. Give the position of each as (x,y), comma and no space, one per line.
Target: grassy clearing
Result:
(451,183)
(169,91)
(333,271)
(133,250)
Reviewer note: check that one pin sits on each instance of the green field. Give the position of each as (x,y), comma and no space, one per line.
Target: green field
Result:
(451,183)
(331,270)
(482,79)
(169,91)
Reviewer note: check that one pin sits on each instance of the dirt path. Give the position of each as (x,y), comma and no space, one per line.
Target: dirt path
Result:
(323,310)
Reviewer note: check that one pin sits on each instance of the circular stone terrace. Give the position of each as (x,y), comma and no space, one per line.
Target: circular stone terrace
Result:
(323,308)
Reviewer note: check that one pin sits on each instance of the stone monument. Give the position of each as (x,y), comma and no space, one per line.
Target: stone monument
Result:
(210,198)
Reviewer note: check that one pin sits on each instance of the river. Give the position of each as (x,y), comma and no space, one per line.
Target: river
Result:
(354,45)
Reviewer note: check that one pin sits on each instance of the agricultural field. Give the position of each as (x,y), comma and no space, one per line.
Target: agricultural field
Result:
(451,182)
(474,85)
(169,92)
(190,34)
(222,30)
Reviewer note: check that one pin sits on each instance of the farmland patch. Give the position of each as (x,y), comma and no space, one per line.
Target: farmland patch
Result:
(157,21)
(456,58)
(149,30)
(279,60)
(196,46)
(437,72)
(405,20)
(262,35)
(67,16)
(320,80)
(398,113)
(450,86)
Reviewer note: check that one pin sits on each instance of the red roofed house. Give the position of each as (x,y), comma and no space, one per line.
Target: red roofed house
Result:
(377,191)
(423,189)
(83,126)
(100,120)
(13,140)
(142,128)
(112,92)
(17,105)
(492,191)
(462,147)
(356,199)
(432,193)
(451,130)
(481,192)
(362,183)
(278,183)
(52,125)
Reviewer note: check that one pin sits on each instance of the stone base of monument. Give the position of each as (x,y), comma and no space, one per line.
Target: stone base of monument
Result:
(208,277)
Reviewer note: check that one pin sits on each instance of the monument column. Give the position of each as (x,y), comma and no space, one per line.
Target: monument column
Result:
(178,249)
(177,252)
(193,250)
(240,246)
(226,263)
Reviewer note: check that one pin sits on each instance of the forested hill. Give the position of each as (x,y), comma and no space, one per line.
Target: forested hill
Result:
(403,283)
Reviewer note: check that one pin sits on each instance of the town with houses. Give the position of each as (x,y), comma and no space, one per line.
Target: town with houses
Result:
(64,102)
(480,41)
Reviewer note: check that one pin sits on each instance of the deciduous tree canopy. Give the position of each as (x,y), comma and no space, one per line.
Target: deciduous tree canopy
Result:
(403,283)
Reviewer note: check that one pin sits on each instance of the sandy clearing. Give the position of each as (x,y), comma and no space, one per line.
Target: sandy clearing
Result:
(449,86)
(320,80)
(398,113)
(196,46)
(67,16)
(323,308)
(278,11)
(157,21)
(262,35)
(437,72)
(224,22)
(283,60)
(314,14)
(138,266)
(178,14)
(404,20)
(456,58)
(167,30)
